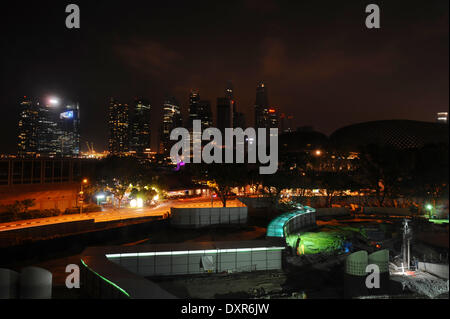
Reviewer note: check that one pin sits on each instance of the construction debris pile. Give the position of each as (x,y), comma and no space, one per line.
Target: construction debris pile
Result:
(422,283)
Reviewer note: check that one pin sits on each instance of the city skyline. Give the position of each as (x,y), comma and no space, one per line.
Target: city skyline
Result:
(327,72)
(207,152)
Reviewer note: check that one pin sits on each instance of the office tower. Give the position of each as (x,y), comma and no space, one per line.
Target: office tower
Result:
(27,129)
(48,131)
(442,117)
(265,116)
(118,128)
(69,120)
(205,113)
(48,128)
(224,114)
(194,99)
(199,110)
(140,139)
(261,105)
(238,117)
(172,118)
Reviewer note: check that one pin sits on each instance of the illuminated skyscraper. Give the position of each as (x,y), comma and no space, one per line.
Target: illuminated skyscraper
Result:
(194,99)
(27,129)
(69,120)
(49,128)
(265,116)
(140,138)
(118,128)
(238,117)
(205,113)
(172,118)
(261,105)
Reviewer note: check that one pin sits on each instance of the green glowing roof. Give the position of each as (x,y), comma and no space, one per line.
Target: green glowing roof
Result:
(439,221)
(276,226)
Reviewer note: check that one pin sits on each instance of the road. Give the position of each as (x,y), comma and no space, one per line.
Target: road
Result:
(119,214)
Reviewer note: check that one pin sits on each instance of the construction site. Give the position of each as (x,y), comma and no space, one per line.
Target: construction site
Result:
(242,252)
(316,257)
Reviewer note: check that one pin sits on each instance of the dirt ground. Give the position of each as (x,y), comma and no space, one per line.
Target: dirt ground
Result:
(242,285)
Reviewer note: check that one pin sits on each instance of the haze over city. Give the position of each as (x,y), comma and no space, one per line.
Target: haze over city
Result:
(319,62)
(196,153)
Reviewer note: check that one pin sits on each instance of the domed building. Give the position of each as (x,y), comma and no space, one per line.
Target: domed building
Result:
(398,134)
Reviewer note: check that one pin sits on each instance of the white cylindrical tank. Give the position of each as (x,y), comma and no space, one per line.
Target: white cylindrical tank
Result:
(35,283)
(9,284)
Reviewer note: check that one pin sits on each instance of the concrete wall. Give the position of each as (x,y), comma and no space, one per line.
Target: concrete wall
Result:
(190,263)
(204,217)
(46,196)
(18,236)
(439,270)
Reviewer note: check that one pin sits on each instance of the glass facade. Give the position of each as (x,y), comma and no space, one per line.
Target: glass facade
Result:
(48,129)
(118,128)
(140,140)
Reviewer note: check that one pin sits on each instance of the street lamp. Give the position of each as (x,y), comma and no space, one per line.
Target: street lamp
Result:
(53,101)
(429,208)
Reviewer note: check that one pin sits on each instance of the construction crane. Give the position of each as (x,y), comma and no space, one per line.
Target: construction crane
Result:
(90,147)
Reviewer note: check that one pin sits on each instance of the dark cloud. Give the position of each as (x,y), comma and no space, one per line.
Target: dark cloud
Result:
(319,61)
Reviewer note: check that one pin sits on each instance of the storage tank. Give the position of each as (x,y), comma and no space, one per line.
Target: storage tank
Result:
(381,259)
(355,275)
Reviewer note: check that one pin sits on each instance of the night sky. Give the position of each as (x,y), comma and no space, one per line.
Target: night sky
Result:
(319,61)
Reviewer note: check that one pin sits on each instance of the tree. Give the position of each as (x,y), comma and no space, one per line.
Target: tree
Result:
(253,178)
(274,184)
(384,170)
(430,173)
(224,177)
(335,184)
(116,174)
(27,204)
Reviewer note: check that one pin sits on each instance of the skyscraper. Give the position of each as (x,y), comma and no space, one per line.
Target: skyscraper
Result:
(118,128)
(205,113)
(27,132)
(265,116)
(172,118)
(238,117)
(140,138)
(194,99)
(261,104)
(48,128)
(224,114)
(69,120)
